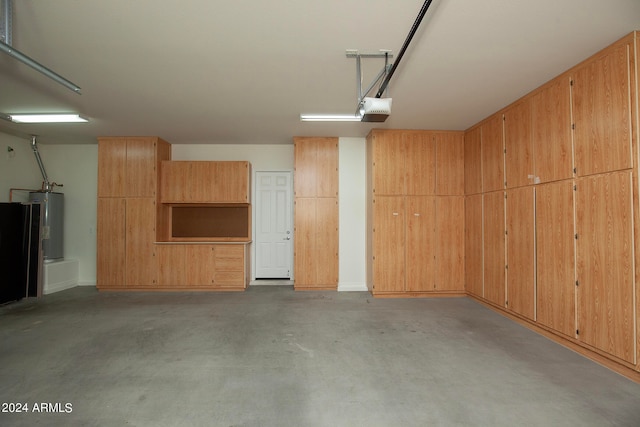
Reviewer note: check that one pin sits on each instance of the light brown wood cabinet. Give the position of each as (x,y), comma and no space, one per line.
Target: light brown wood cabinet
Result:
(128,211)
(605,263)
(555,257)
(415,236)
(316,213)
(520,216)
(205,182)
(602,112)
(570,214)
(223,267)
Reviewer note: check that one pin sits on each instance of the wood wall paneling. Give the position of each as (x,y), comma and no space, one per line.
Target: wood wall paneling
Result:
(450,243)
(473,245)
(473,161)
(492,154)
(521,251)
(605,263)
(420,250)
(555,257)
(551,119)
(494,247)
(519,148)
(601,107)
(389,244)
(450,163)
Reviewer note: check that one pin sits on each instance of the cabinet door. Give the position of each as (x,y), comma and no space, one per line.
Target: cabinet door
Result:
(316,243)
(551,119)
(449,163)
(605,263)
(389,150)
(112,167)
(420,243)
(201,265)
(602,112)
(142,264)
(518,145)
(141,167)
(494,248)
(388,244)
(172,266)
(111,259)
(521,251)
(555,257)
(420,163)
(230,183)
(492,154)
(316,167)
(473,246)
(473,161)
(450,243)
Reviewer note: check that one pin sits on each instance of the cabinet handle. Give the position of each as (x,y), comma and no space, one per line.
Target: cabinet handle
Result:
(416,214)
(396,214)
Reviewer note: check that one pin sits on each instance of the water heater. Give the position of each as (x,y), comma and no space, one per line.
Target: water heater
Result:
(52,223)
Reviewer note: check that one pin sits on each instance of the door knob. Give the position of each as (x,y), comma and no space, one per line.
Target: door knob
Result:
(286,238)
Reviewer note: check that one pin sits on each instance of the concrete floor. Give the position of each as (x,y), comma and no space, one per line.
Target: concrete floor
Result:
(275,357)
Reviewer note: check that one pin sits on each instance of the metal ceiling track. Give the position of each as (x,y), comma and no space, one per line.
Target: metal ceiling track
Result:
(6,8)
(412,32)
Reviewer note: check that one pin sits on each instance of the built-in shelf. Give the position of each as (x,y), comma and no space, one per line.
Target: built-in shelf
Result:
(212,222)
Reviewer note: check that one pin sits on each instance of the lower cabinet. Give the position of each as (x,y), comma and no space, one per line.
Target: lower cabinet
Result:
(203,266)
(417,245)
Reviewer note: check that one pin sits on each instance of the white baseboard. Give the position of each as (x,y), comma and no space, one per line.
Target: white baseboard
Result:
(352,287)
(89,283)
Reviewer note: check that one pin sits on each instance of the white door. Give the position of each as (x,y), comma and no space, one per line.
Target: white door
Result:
(273,225)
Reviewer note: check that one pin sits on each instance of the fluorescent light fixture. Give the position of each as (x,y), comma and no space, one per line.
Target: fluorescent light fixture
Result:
(47,118)
(330,118)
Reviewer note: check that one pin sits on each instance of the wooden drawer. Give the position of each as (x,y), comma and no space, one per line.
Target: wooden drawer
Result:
(229,278)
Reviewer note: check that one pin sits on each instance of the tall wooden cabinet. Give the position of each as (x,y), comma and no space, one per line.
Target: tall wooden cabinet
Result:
(415,243)
(315,213)
(557,244)
(128,210)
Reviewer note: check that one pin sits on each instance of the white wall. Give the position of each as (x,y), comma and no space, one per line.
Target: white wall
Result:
(352,203)
(75,166)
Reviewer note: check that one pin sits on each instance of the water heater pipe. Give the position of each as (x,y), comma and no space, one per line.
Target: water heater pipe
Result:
(46,185)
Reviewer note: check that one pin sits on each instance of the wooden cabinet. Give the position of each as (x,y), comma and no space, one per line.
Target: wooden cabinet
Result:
(316,243)
(492,154)
(205,182)
(518,145)
(521,251)
(316,167)
(473,245)
(555,257)
(602,112)
(551,130)
(449,244)
(450,175)
(605,263)
(494,247)
(127,166)
(203,266)
(473,161)
(315,220)
(415,236)
(419,257)
(128,211)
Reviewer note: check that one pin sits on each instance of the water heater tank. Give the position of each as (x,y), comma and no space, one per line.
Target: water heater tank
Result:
(52,223)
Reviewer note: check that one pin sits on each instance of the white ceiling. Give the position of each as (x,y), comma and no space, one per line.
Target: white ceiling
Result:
(242,71)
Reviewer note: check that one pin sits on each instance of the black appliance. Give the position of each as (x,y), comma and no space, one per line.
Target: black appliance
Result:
(20,251)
